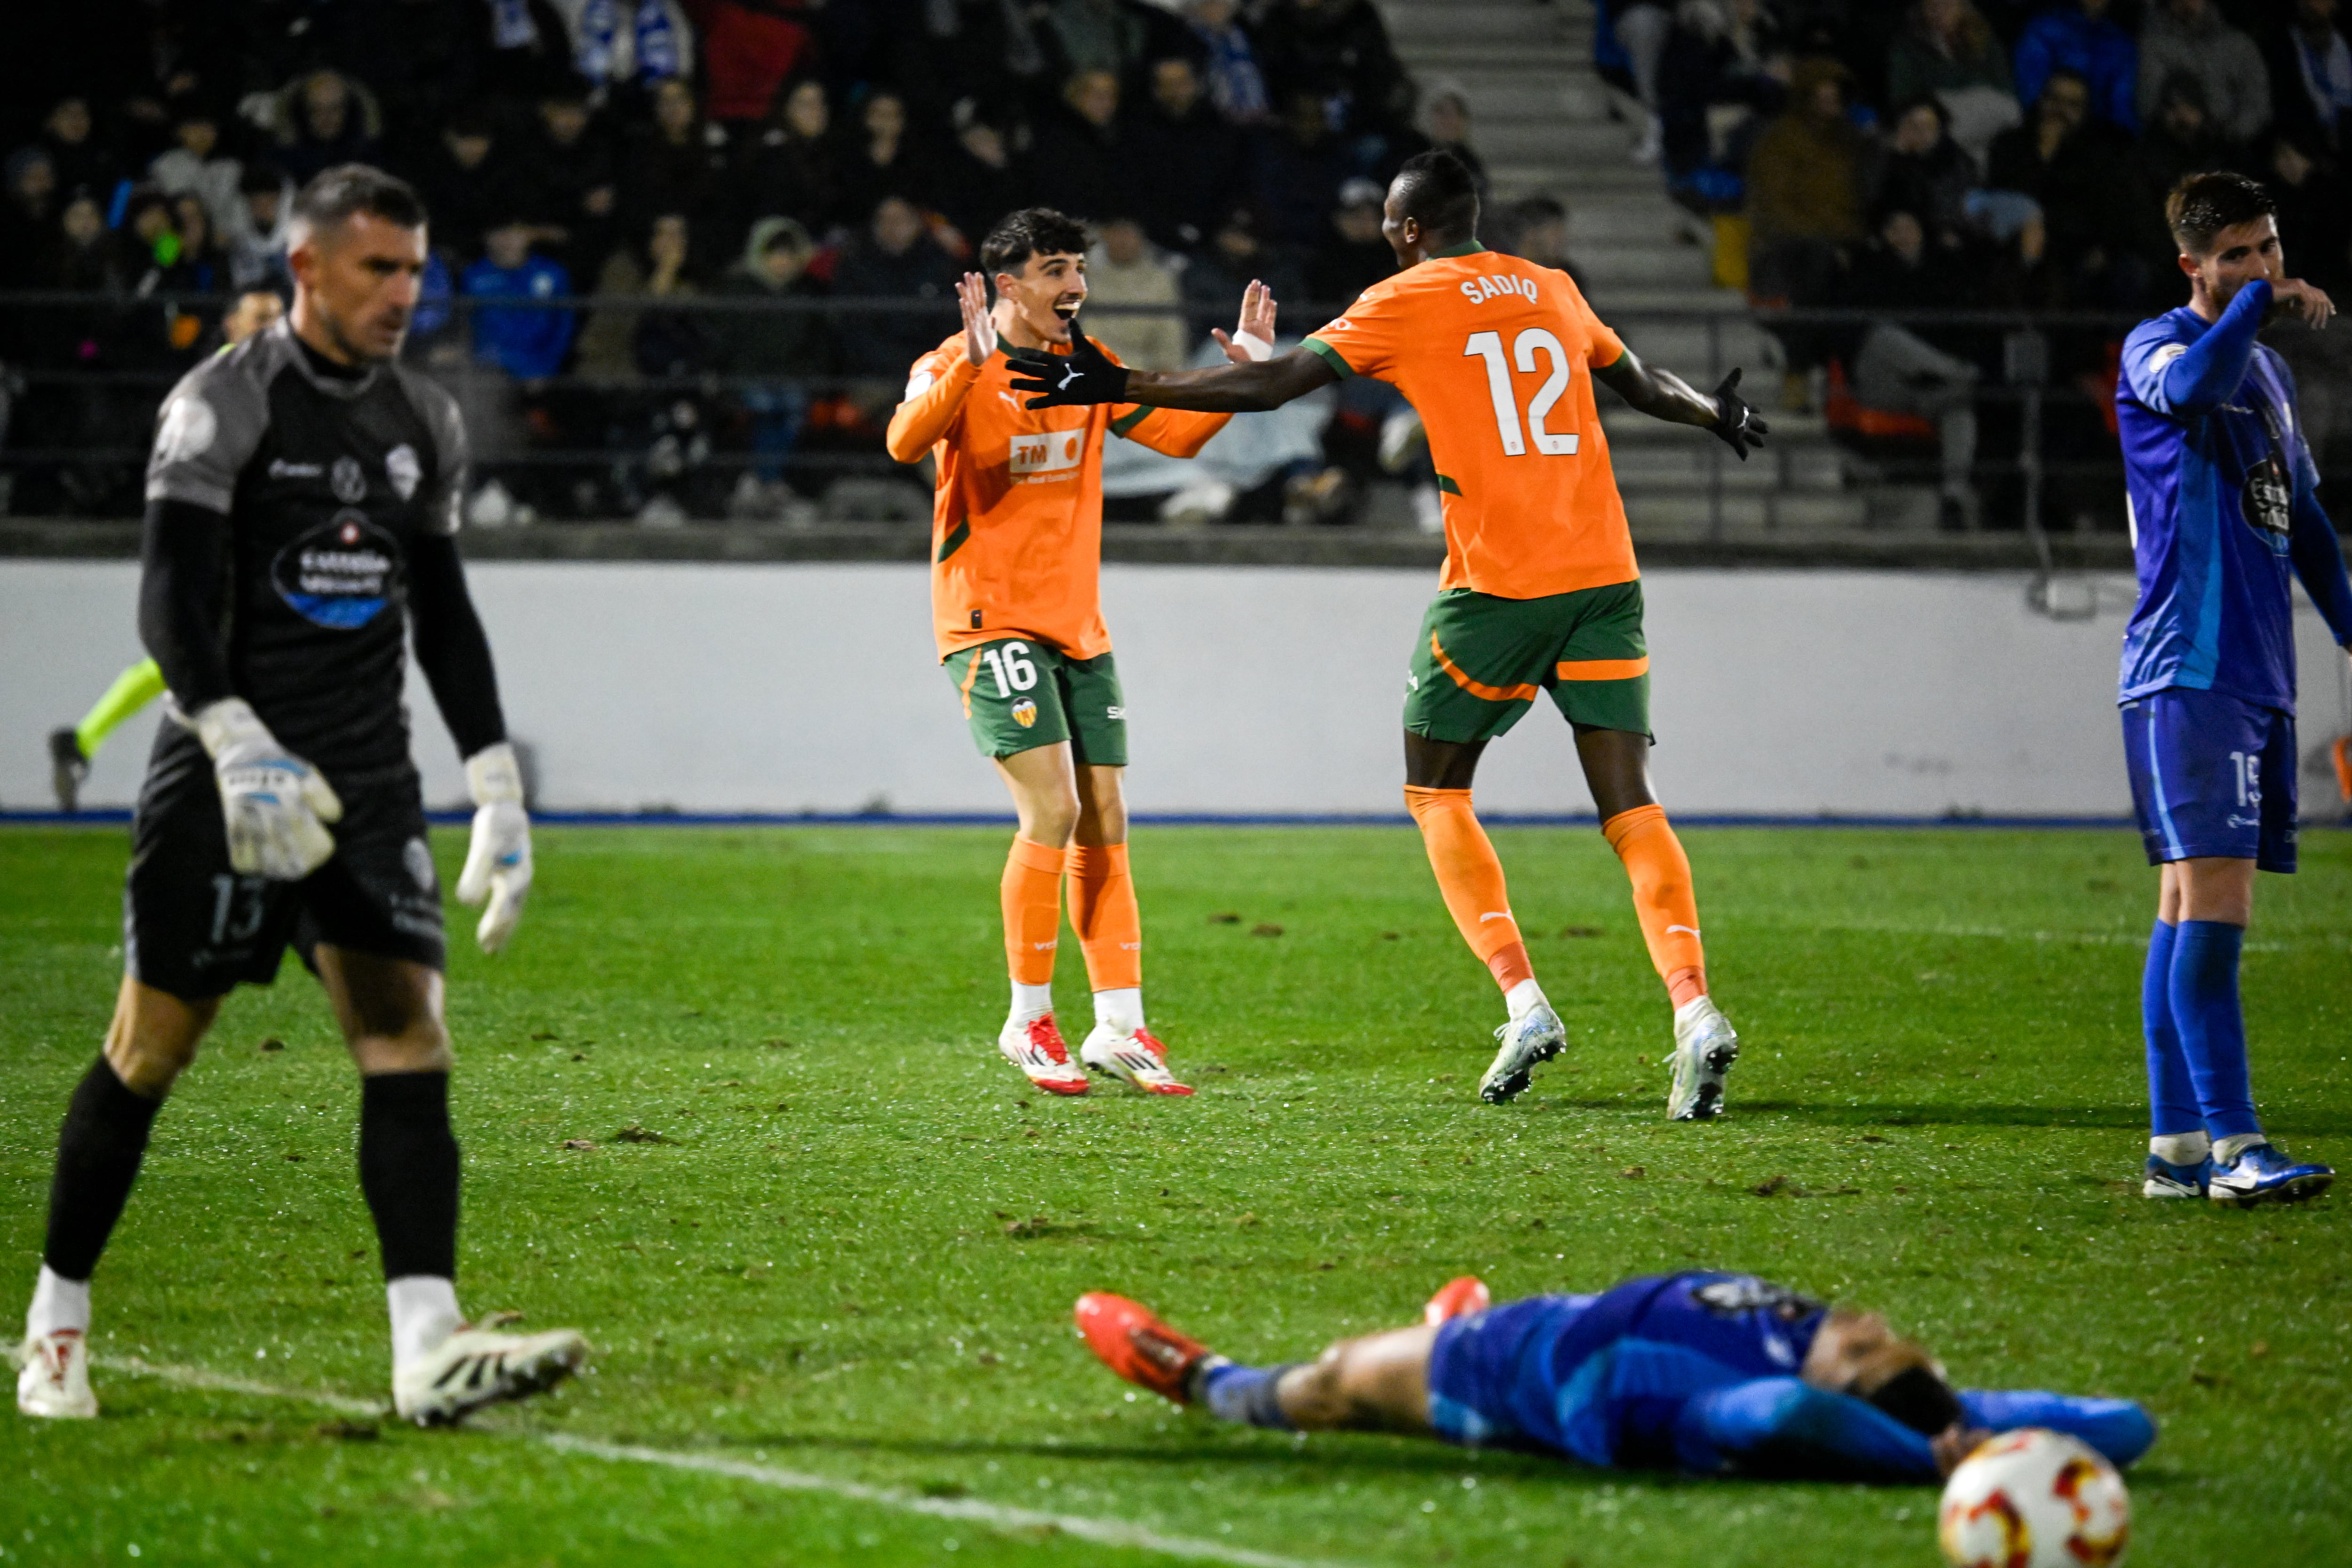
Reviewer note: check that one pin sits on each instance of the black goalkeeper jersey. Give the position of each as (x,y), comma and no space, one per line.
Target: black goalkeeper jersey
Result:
(328,483)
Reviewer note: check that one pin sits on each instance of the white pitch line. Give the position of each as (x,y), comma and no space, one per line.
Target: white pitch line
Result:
(1102,1531)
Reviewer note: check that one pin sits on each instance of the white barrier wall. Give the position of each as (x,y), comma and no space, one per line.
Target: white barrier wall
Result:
(813,687)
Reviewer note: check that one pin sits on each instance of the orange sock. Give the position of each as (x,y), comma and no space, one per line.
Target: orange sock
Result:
(1103,913)
(1664,899)
(1471,878)
(1031,893)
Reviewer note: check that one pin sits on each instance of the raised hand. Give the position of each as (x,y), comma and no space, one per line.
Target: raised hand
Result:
(1736,424)
(979,325)
(1084,376)
(2294,296)
(1256,325)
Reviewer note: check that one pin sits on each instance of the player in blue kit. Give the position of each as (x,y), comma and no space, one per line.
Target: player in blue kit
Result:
(1708,1372)
(2224,509)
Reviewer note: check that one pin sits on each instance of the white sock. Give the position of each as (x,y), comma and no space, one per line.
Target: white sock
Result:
(1519,998)
(2181,1148)
(1028,1001)
(58,1304)
(1120,1011)
(423,1313)
(2228,1149)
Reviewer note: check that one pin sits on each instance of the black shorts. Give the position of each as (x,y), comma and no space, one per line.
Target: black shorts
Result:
(195,928)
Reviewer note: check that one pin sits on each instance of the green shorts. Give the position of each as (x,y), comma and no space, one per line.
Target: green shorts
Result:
(1021,694)
(1481,660)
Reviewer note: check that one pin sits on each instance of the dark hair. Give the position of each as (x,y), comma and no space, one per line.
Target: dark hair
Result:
(1031,231)
(2201,205)
(258,176)
(1918,1398)
(348,190)
(1436,190)
(1930,102)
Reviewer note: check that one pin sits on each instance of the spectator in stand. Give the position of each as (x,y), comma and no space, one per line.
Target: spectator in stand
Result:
(324,119)
(1640,29)
(82,161)
(1720,68)
(1185,160)
(1951,52)
(1354,257)
(1236,81)
(630,47)
(527,47)
(663,433)
(2188,37)
(751,49)
(81,255)
(468,182)
(570,185)
(2079,173)
(1894,367)
(1217,274)
(1096,36)
(776,352)
(528,343)
(2314,219)
(1338,51)
(671,163)
(792,166)
(196,165)
(29,214)
(895,259)
(1535,229)
(1804,197)
(983,179)
(2180,139)
(2079,36)
(2311,78)
(885,159)
(1084,171)
(1122,270)
(255,233)
(625,336)
(1442,126)
(1924,172)
(420,59)
(1296,176)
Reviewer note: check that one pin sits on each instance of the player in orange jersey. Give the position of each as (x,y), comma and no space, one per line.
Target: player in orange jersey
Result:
(1541,593)
(1016,564)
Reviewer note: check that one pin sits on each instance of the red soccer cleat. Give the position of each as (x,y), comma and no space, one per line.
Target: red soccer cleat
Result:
(1457,1298)
(1127,1338)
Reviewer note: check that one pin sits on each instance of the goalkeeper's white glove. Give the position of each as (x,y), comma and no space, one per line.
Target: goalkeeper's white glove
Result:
(498,861)
(276,805)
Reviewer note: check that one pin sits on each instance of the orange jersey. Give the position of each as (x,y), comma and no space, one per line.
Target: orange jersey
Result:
(1496,354)
(1016,521)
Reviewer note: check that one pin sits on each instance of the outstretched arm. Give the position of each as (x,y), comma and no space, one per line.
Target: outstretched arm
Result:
(1086,375)
(1785,1427)
(1663,395)
(2118,1428)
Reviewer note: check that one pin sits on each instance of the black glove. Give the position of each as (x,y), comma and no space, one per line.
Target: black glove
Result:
(1739,426)
(1086,375)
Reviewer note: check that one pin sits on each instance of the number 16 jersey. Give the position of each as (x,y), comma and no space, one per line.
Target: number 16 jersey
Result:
(1496,354)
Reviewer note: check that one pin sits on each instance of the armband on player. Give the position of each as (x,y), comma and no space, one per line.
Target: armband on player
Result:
(498,860)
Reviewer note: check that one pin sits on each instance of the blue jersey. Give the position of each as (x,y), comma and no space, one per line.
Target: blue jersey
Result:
(2222,492)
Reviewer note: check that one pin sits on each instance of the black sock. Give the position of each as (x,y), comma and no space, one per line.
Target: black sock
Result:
(408,1170)
(99,1152)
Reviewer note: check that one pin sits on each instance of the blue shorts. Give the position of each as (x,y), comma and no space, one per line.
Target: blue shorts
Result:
(2212,775)
(1490,1381)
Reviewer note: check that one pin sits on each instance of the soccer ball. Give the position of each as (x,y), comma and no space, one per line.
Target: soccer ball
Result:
(2034,1498)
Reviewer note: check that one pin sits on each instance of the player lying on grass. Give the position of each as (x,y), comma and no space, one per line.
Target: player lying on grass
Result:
(301,499)
(2226,514)
(1541,594)
(73,747)
(1709,1373)
(1016,601)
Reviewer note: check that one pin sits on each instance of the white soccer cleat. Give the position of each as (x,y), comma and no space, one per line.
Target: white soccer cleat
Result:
(1138,1059)
(1536,1035)
(1705,1049)
(478,1366)
(1035,1046)
(54,1381)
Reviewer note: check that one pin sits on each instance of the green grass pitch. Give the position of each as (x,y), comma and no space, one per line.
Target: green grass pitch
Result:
(850,1247)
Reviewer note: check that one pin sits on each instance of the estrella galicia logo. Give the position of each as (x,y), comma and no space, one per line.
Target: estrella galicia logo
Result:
(2268,500)
(339,574)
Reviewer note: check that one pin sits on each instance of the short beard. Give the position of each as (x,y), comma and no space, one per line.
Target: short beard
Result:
(352,350)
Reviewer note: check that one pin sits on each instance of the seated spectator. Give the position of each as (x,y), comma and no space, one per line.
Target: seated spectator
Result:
(2180,138)
(751,49)
(632,46)
(1122,270)
(2188,37)
(792,166)
(1894,367)
(570,188)
(82,160)
(895,259)
(1217,274)
(1235,82)
(671,163)
(1804,189)
(983,179)
(2078,35)
(525,48)
(1924,172)
(256,233)
(1096,36)
(2311,78)
(197,164)
(1080,163)
(1720,67)
(1295,174)
(468,182)
(81,255)
(1336,52)
(1638,30)
(2079,173)
(2314,219)
(1356,257)
(612,341)
(1535,229)
(774,354)
(324,119)
(528,343)
(1444,126)
(1949,52)
(1185,159)
(884,159)
(28,213)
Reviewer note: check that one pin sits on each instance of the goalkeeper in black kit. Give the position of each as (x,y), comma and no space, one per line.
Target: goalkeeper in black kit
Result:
(302,499)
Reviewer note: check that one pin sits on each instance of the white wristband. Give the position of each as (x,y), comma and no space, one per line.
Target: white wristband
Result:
(1256,347)
(493,775)
(227,723)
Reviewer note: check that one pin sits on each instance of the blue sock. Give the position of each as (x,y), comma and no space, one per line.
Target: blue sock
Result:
(2171,1096)
(2213,1028)
(1234,1393)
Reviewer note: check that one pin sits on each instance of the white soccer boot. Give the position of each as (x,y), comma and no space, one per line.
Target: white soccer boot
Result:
(54,1381)
(1136,1059)
(1705,1049)
(483,1365)
(1535,1036)
(1034,1045)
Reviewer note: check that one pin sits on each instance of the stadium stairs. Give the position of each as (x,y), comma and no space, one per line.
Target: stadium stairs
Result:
(1544,123)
